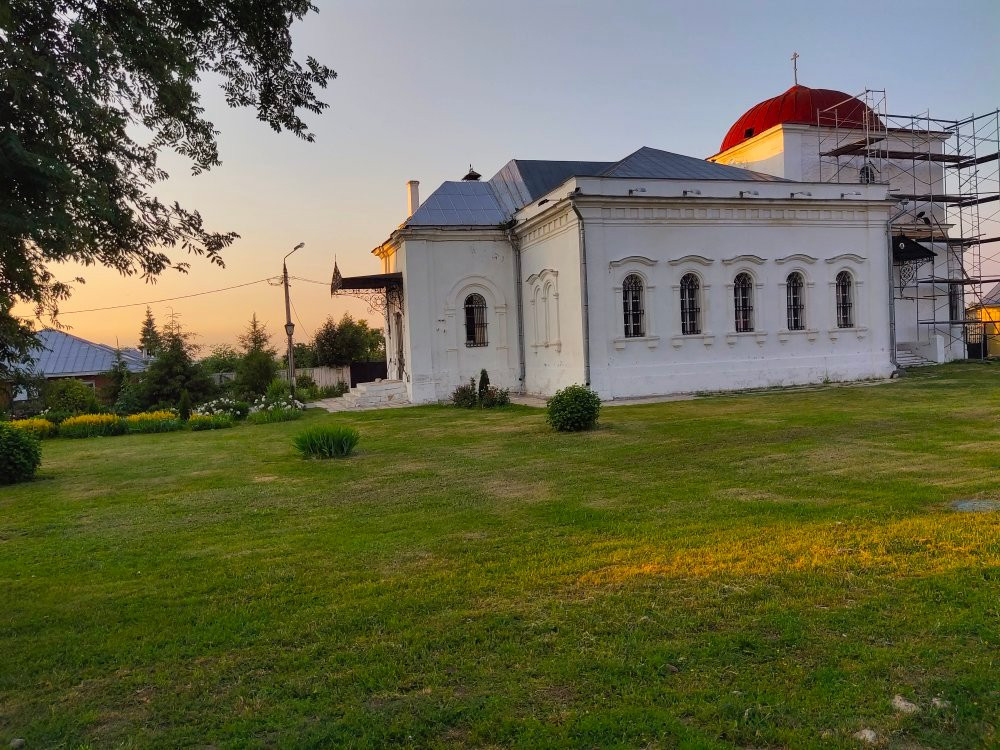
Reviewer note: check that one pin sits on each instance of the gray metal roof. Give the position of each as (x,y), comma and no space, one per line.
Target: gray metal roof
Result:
(522,181)
(652,163)
(63,354)
(992,297)
(466,203)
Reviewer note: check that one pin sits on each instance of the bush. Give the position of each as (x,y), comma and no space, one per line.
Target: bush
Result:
(331,441)
(494,397)
(466,395)
(573,408)
(334,391)
(199,422)
(20,454)
(71,396)
(484,384)
(267,416)
(55,415)
(304,381)
(278,389)
(228,406)
(154,421)
(184,406)
(92,425)
(129,399)
(40,428)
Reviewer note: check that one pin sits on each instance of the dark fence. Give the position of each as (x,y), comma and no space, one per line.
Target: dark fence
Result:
(366,372)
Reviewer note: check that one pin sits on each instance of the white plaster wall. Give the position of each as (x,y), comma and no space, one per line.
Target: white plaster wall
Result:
(439,270)
(664,361)
(550,266)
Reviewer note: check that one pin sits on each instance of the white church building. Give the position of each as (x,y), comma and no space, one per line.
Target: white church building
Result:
(654,274)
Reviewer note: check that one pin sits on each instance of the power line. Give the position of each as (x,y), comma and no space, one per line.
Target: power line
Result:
(167,299)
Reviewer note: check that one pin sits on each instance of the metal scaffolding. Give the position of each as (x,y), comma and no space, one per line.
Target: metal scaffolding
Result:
(948,174)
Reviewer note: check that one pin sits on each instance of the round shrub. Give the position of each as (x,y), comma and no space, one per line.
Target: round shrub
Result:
(574,408)
(72,396)
(493,397)
(466,395)
(20,454)
(40,428)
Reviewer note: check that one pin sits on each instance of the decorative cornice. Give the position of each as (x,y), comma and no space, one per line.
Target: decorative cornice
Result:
(545,272)
(795,258)
(699,259)
(756,259)
(641,259)
(854,258)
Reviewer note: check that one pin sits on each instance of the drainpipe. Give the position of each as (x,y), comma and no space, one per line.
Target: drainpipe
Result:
(515,245)
(584,294)
(892,290)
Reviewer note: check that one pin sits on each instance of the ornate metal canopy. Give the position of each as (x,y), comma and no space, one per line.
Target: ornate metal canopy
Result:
(379,290)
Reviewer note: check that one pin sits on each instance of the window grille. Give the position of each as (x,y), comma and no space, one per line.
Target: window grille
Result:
(475,321)
(690,311)
(743,297)
(796,305)
(632,303)
(955,294)
(845,300)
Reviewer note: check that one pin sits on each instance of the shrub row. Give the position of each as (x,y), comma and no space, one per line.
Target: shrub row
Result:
(485,396)
(106,425)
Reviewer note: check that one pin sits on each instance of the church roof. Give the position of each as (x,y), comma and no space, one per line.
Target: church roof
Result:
(523,181)
(63,354)
(802,105)
(652,163)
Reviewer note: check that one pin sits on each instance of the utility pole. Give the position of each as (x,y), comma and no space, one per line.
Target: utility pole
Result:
(289,325)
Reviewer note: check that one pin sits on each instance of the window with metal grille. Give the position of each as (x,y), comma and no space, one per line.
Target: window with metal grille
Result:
(743,297)
(632,304)
(475,320)
(955,294)
(690,304)
(796,301)
(845,300)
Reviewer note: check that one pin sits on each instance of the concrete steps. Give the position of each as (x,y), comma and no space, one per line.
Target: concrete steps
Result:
(379,394)
(906,359)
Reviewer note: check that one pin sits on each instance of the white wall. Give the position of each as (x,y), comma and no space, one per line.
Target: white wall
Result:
(440,269)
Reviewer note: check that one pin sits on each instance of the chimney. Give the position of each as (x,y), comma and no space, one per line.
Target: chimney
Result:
(412,196)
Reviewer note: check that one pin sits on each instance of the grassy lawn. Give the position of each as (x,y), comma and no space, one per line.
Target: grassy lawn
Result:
(762,570)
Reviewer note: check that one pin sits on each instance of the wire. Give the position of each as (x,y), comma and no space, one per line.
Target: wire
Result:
(297,315)
(167,299)
(311,281)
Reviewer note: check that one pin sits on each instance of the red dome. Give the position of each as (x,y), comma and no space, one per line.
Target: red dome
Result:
(799,105)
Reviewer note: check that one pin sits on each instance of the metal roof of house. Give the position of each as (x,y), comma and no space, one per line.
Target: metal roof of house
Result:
(992,297)
(522,181)
(652,163)
(64,355)
(466,203)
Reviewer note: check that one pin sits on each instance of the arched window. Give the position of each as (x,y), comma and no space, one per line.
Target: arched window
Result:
(845,300)
(475,320)
(690,304)
(743,297)
(632,303)
(796,301)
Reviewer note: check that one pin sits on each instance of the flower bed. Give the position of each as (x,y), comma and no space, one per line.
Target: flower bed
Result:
(40,428)
(267,409)
(199,422)
(154,421)
(232,407)
(92,425)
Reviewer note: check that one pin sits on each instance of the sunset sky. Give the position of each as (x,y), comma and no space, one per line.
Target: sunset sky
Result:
(426,88)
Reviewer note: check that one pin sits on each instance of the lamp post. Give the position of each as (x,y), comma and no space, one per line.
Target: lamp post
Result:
(289,325)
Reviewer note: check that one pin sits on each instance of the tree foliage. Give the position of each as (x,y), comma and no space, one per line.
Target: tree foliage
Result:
(257,367)
(256,338)
(223,358)
(339,344)
(91,94)
(174,370)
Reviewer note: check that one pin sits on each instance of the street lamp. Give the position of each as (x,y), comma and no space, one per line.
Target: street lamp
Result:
(289,325)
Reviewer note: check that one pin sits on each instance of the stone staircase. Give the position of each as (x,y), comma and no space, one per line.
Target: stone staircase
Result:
(906,359)
(379,394)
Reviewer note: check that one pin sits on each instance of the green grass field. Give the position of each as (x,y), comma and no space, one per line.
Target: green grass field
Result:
(762,570)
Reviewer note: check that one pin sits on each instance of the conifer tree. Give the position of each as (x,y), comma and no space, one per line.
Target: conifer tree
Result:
(149,337)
